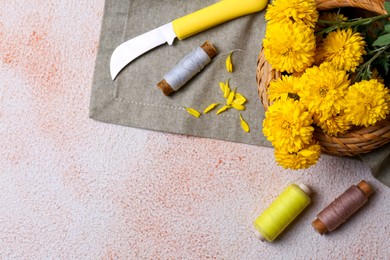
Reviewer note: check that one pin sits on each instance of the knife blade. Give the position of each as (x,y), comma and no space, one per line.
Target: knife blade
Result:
(181,28)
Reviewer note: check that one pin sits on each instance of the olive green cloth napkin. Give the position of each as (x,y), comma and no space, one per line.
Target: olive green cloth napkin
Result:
(379,163)
(133,98)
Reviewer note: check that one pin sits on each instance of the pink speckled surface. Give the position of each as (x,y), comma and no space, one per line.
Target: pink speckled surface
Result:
(74,188)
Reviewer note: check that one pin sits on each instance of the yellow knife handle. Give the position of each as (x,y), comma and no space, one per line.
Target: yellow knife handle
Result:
(215,14)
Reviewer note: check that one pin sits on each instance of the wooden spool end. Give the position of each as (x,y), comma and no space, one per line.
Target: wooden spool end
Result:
(209,49)
(165,87)
(319,226)
(365,188)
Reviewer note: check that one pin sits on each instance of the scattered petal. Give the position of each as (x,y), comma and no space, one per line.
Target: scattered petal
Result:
(230,97)
(209,108)
(223,109)
(229,64)
(226,90)
(192,112)
(237,106)
(244,124)
(222,86)
(239,99)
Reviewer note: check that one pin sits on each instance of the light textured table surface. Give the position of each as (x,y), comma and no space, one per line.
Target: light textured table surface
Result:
(74,188)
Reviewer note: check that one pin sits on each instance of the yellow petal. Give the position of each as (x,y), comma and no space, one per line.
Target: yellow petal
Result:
(244,124)
(222,87)
(229,64)
(209,108)
(224,108)
(239,98)
(230,97)
(237,106)
(226,90)
(192,112)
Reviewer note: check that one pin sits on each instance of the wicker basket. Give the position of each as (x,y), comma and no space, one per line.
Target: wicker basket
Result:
(356,141)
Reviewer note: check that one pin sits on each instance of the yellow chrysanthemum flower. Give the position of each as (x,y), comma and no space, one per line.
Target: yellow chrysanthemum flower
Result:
(299,11)
(368,101)
(289,47)
(344,49)
(322,90)
(334,125)
(287,125)
(302,159)
(282,87)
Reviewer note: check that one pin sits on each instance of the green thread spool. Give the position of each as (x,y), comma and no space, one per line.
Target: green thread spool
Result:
(290,203)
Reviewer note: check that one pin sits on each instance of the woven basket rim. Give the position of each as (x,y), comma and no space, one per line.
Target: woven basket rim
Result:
(357,141)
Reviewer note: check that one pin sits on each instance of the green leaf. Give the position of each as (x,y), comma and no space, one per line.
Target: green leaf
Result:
(382,40)
(387,7)
(386,67)
(382,63)
(367,74)
(387,28)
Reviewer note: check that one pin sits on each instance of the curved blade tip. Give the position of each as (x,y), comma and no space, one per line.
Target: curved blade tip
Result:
(114,71)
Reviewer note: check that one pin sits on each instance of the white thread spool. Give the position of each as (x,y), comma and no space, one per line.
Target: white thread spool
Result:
(187,68)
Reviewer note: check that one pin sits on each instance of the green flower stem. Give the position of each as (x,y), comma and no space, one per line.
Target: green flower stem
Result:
(351,23)
(381,50)
(367,64)
(355,22)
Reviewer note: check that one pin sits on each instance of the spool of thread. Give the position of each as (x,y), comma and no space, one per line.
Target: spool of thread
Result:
(187,68)
(283,210)
(342,207)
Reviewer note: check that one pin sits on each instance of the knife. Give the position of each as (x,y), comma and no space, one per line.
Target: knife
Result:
(182,28)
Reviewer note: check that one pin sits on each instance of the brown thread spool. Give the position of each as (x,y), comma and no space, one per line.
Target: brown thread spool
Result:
(342,207)
(165,86)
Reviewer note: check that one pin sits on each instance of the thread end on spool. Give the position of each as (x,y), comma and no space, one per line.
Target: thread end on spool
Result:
(259,235)
(210,50)
(305,188)
(365,188)
(319,226)
(165,87)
